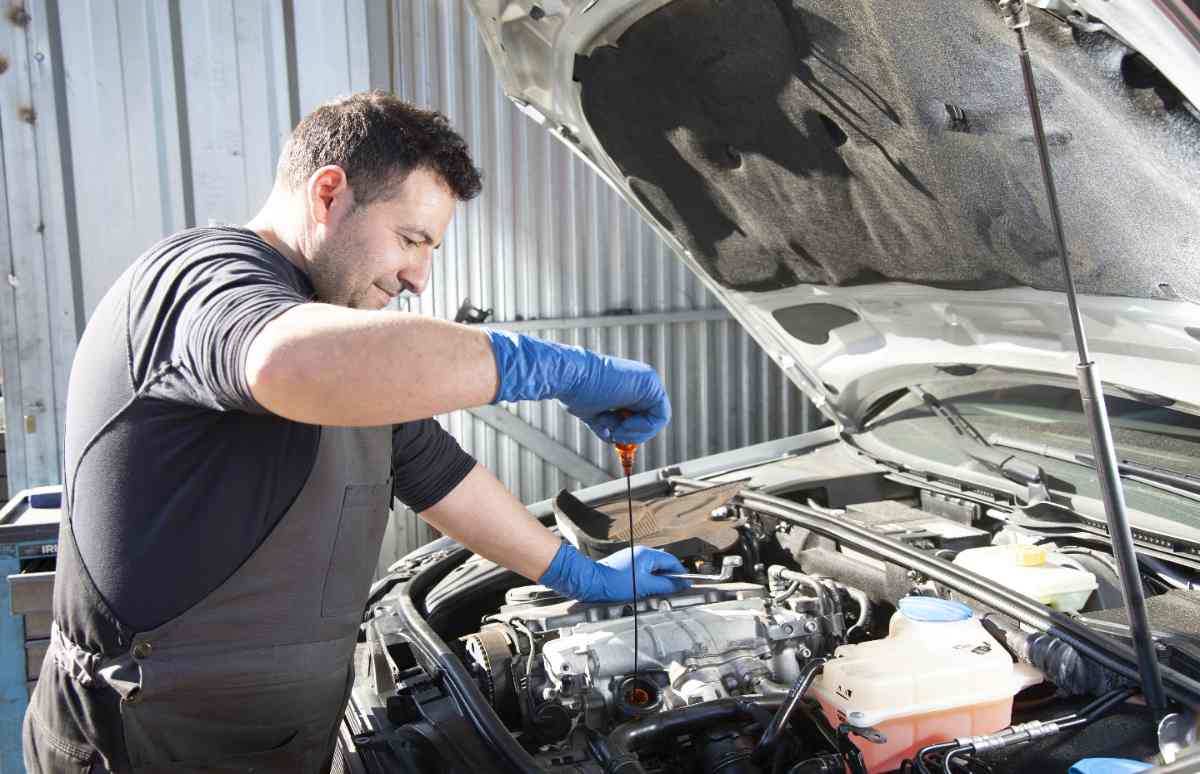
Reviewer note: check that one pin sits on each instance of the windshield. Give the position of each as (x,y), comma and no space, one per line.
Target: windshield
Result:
(1155,436)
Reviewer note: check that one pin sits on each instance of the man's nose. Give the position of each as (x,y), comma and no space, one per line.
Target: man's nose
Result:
(416,277)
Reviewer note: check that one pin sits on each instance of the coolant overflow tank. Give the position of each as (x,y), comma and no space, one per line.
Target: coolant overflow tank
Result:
(1046,576)
(936,676)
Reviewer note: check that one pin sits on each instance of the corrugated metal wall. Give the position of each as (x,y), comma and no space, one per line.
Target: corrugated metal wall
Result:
(172,114)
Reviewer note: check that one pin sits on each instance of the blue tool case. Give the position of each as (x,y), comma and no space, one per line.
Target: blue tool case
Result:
(28,550)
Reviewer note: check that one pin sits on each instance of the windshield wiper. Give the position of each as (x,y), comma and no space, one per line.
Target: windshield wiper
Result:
(972,443)
(1160,478)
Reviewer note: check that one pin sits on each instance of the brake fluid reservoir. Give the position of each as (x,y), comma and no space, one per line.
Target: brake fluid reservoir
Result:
(938,675)
(1045,576)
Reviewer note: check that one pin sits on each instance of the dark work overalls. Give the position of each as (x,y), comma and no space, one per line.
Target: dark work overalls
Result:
(255,676)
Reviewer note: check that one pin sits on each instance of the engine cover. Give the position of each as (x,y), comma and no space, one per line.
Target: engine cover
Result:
(702,644)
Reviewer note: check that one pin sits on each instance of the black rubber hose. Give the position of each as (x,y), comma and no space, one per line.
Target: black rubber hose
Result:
(627,738)
(1098,708)
(442,661)
(1056,659)
(770,738)
(832,763)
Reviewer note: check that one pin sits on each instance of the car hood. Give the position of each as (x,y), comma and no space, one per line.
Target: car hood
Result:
(856,180)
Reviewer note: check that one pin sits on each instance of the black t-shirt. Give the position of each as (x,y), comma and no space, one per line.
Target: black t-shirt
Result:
(175,474)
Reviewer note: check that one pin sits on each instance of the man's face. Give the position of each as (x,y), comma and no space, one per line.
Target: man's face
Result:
(368,255)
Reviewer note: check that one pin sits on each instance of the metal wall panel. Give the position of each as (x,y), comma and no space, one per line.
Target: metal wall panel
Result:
(39,309)
(124,128)
(173,114)
(237,102)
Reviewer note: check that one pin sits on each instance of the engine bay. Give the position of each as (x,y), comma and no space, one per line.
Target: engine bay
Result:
(853,618)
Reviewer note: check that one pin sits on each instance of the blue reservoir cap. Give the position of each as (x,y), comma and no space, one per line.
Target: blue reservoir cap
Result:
(1109,766)
(933,609)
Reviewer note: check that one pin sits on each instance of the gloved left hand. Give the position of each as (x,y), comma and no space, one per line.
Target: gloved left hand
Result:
(593,387)
(609,580)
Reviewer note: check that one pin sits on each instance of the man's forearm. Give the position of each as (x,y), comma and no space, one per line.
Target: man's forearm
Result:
(329,365)
(486,518)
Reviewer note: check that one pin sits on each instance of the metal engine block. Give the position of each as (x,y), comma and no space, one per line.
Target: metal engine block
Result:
(705,643)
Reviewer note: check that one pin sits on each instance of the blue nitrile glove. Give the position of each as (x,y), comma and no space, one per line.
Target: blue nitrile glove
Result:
(591,386)
(609,580)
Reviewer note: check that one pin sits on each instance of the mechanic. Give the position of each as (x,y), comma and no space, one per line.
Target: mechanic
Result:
(241,412)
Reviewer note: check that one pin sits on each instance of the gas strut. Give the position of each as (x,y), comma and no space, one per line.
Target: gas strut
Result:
(1091,394)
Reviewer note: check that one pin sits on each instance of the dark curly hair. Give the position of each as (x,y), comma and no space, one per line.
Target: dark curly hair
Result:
(377,139)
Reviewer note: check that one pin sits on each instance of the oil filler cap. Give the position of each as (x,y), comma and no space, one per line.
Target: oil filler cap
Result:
(932,609)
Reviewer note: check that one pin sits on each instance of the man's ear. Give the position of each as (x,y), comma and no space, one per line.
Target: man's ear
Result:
(328,192)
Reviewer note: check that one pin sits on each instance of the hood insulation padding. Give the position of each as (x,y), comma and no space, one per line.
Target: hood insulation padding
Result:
(851,141)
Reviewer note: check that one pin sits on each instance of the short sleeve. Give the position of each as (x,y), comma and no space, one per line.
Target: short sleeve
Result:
(427,463)
(196,316)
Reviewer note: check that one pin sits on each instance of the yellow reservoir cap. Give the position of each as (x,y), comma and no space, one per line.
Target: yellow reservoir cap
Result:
(1026,555)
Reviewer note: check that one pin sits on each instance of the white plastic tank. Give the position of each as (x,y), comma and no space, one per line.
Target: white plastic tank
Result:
(1046,576)
(936,676)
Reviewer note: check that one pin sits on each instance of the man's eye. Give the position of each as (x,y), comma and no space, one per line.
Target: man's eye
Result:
(406,242)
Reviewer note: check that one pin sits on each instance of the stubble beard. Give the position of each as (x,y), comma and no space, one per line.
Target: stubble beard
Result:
(333,278)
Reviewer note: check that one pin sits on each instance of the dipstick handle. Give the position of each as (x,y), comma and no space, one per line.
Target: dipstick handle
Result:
(627,452)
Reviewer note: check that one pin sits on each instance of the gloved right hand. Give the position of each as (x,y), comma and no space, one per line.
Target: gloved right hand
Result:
(609,580)
(593,387)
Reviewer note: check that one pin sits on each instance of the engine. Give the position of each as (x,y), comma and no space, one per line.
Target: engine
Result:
(554,663)
(807,654)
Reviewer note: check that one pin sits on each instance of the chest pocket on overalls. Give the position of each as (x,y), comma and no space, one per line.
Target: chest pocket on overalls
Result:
(361,525)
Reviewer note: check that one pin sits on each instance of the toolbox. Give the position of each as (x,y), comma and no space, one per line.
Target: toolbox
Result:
(28,550)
